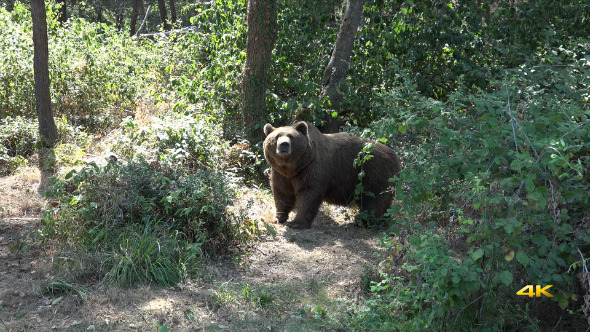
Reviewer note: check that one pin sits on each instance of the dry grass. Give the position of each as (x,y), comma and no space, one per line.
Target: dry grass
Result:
(20,195)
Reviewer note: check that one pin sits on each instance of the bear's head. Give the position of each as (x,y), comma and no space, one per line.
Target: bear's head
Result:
(285,145)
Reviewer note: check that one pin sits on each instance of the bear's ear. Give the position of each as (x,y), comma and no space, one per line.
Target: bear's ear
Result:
(301,127)
(268,128)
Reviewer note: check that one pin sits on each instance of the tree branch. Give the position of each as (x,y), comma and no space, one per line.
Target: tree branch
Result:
(143,22)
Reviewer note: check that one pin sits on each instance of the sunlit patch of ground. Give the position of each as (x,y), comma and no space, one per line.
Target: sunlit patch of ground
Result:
(19,193)
(296,280)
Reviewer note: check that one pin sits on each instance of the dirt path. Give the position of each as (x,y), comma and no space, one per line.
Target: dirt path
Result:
(297,281)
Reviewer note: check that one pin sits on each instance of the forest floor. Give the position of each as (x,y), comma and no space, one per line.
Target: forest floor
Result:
(308,280)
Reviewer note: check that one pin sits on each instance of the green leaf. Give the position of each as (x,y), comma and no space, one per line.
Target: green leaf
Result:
(529,185)
(70,174)
(516,165)
(477,254)
(414,240)
(562,299)
(522,258)
(509,228)
(557,278)
(505,277)
(402,128)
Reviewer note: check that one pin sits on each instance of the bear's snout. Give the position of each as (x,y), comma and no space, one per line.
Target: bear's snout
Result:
(283,146)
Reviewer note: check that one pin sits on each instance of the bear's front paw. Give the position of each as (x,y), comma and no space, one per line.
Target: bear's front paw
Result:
(282,218)
(299,224)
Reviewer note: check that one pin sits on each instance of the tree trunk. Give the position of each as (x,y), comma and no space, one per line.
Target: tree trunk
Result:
(172,12)
(134,15)
(262,35)
(337,68)
(120,18)
(98,10)
(47,128)
(63,11)
(163,14)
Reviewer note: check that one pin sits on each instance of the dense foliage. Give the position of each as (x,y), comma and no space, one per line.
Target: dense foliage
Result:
(144,222)
(494,198)
(487,103)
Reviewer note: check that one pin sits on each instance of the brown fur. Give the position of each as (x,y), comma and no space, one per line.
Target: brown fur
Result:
(311,167)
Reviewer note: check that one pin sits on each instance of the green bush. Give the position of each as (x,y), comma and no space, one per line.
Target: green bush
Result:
(146,222)
(178,140)
(74,144)
(307,32)
(16,65)
(18,135)
(210,82)
(98,74)
(493,197)
(18,140)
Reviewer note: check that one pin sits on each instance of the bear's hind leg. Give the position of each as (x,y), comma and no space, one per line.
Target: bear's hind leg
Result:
(374,207)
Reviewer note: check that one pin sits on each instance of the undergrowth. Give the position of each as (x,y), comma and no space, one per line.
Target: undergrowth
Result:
(493,197)
(144,222)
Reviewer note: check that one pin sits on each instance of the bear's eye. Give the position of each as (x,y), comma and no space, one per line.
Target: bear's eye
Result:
(290,136)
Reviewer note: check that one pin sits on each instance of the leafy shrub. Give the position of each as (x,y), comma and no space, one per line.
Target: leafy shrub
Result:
(18,135)
(16,65)
(147,222)
(178,140)
(98,74)
(74,144)
(210,82)
(245,163)
(18,138)
(505,173)
(9,164)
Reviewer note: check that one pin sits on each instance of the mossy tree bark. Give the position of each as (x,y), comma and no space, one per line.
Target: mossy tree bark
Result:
(47,127)
(337,68)
(262,35)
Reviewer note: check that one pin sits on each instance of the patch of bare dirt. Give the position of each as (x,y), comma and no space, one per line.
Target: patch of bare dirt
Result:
(294,281)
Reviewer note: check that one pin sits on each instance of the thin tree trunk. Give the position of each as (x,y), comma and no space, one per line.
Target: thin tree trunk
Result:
(337,68)
(262,35)
(63,11)
(172,12)
(163,14)
(47,128)
(120,18)
(98,10)
(134,15)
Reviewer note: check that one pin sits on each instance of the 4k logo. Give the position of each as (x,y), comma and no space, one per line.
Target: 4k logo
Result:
(529,291)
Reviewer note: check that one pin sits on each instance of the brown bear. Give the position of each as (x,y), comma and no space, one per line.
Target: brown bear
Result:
(308,168)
